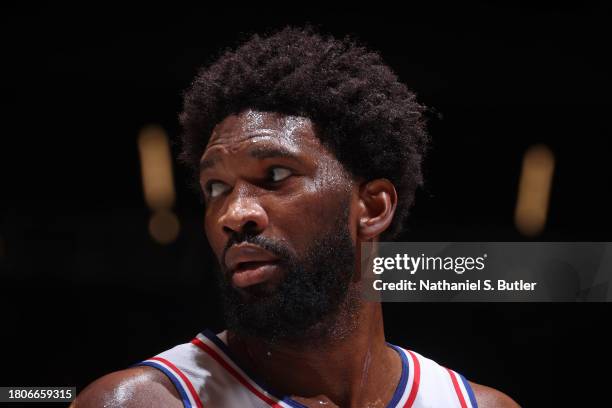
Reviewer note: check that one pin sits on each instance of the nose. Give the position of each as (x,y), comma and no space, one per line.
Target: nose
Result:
(243,213)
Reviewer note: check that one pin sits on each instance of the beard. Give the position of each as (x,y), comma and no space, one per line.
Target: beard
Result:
(314,299)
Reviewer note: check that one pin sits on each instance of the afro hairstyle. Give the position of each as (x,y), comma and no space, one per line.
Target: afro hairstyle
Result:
(369,120)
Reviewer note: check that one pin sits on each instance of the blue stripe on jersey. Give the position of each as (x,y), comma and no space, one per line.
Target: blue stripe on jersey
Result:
(172,378)
(469,391)
(215,339)
(293,403)
(401,386)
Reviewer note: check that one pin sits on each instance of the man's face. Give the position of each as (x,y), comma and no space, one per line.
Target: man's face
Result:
(278,208)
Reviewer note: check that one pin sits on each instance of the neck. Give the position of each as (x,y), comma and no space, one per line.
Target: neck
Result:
(349,367)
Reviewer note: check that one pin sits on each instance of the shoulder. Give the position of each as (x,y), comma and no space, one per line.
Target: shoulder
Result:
(132,388)
(488,397)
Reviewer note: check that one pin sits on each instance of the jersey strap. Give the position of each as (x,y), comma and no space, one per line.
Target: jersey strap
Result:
(213,346)
(432,385)
(408,386)
(179,379)
(205,373)
(464,391)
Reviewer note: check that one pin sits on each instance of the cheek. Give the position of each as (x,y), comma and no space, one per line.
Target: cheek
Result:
(304,217)
(215,238)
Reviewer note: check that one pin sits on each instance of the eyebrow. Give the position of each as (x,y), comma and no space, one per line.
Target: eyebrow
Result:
(259,152)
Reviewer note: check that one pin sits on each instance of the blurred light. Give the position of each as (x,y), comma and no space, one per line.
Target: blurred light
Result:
(164,227)
(158,183)
(534,190)
(156,166)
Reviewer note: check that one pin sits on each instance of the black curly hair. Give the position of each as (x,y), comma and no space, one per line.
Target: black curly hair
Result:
(361,112)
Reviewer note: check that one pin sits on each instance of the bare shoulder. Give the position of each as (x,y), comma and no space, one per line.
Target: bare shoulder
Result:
(132,388)
(488,397)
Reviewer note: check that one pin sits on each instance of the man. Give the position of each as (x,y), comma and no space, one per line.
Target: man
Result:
(304,147)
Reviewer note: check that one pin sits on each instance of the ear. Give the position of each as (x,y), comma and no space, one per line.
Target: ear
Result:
(377,202)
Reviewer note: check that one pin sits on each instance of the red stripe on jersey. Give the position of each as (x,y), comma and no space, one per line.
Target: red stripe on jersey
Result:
(192,390)
(234,373)
(415,381)
(457,389)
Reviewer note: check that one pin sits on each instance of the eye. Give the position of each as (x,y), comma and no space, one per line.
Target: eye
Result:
(279,173)
(216,188)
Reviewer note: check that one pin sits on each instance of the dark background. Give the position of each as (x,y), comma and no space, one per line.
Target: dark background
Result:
(83,288)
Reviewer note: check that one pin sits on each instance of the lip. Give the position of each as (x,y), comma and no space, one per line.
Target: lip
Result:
(249,264)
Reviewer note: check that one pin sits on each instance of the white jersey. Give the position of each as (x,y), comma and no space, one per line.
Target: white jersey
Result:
(206,375)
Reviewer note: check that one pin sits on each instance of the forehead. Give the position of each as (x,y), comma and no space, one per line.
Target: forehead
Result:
(296,133)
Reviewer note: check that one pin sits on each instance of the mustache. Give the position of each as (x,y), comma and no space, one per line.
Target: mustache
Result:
(276,248)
